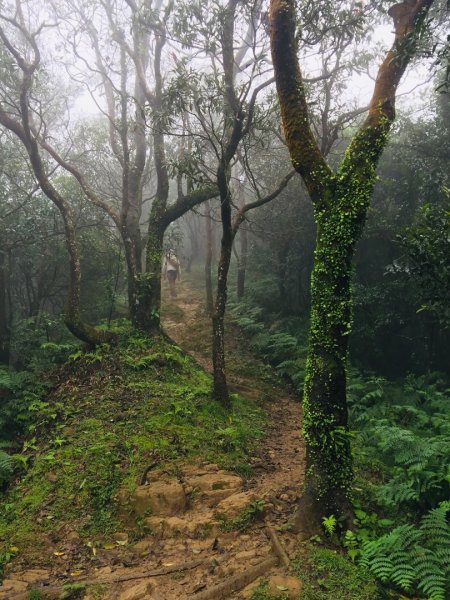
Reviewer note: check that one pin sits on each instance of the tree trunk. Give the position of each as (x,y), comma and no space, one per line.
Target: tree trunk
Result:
(220,389)
(147,307)
(340,200)
(242,265)
(329,472)
(4,329)
(208,263)
(83,331)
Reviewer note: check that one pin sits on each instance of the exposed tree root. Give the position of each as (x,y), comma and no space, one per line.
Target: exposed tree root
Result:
(237,582)
(49,591)
(277,547)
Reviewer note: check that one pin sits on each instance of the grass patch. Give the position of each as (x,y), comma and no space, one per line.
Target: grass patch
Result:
(262,593)
(327,576)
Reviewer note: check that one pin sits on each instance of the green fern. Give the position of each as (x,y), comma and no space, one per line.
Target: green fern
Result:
(419,465)
(7,464)
(414,557)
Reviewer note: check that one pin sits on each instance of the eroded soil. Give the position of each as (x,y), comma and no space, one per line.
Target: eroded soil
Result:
(213,533)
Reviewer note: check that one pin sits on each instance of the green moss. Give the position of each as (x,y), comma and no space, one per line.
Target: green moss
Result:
(262,593)
(327,576)
(110,418)
(340,218)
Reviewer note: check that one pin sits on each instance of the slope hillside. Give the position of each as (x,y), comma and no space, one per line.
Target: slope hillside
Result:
(140,486)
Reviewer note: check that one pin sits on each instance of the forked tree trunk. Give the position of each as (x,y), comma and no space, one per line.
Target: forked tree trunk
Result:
(341,201)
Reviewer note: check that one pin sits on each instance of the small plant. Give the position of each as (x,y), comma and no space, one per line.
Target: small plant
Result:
(352,545)
(329,525)
(253,512)
(7,465)
(6,556)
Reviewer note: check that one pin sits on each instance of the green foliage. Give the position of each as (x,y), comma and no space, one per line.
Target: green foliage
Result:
(403,443)
(329,524)
(427,246)
(253,512)
(7,465)
(262,593)
(281,349)
(328,575)
(414,556)
(6,555)
(23,394)
(406,432)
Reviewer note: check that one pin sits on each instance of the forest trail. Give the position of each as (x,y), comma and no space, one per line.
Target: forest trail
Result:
(282,454)
(217,533)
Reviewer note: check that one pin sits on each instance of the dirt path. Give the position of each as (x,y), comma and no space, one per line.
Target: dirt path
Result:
(192,553)
(282,464)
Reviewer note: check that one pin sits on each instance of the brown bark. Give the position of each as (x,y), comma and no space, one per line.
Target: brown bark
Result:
(208,262)
(242,263)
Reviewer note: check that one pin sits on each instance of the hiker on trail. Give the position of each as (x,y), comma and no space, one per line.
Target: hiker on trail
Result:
(172,271)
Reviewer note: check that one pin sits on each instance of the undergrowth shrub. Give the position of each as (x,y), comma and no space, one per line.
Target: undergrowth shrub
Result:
(406,430)
(7,465)
(22,395)
(278,347)
(414,557)
(403,445)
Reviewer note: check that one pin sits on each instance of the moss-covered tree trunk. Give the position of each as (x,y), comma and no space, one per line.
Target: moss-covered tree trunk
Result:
(340,201)
(218,326)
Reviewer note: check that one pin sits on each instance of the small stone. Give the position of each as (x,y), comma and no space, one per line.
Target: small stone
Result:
(104,570)
(141,546)
(160,498)
(140,591)
(11,587)
(235,504)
